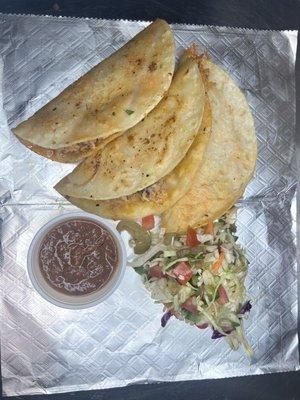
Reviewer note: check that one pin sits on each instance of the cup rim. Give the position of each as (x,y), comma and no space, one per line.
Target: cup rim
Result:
(82,301)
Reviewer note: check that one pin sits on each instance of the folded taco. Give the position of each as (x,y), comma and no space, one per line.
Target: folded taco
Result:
(112,97)
(229,160)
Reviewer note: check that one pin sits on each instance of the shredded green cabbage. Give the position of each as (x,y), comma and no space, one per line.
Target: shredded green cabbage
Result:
(219,294)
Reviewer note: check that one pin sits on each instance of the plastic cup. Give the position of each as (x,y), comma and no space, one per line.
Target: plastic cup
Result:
(74,302)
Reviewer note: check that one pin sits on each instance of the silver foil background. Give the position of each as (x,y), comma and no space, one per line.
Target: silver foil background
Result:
(45,349)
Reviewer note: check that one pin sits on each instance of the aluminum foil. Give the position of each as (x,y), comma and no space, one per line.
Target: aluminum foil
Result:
(45,349)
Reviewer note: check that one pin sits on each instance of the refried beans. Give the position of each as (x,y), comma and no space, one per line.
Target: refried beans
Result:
(78,256)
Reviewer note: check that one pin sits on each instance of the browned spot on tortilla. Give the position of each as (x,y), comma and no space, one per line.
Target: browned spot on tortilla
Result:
(170,120)
(152,66)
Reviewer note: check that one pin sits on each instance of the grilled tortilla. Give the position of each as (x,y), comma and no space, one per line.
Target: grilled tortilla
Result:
(161,195)
(148,151)
(229,160)
(112,97)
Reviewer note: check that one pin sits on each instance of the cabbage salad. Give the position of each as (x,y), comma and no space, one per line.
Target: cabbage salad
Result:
(198,277)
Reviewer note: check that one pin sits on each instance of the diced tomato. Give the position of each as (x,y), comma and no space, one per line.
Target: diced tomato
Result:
(202,326)
(156,272)
(183,272)
(191,237)
(148,222)
(190,305)
(223,299)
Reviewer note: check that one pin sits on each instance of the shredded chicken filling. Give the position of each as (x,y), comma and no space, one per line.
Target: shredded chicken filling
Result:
(156,192)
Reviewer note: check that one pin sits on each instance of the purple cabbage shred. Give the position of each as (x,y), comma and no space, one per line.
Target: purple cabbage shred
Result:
(165,318)
(246,307)
(217,335)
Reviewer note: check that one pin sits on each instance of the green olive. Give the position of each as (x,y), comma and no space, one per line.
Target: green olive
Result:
(141,237)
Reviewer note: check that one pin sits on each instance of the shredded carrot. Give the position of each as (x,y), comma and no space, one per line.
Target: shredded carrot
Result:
(209,229)
(218,263)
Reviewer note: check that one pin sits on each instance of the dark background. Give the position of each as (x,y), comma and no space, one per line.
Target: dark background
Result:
(268,14)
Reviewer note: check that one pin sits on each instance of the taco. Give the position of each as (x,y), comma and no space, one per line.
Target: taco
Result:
(112,97)
(229,160)
(161,195)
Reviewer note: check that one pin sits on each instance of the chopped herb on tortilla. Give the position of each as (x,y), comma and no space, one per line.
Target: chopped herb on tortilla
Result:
(129,112)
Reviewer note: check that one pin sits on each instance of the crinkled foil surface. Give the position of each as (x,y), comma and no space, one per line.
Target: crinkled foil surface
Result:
(45,349)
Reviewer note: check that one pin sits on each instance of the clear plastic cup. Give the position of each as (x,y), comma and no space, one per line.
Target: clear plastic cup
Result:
(77,301)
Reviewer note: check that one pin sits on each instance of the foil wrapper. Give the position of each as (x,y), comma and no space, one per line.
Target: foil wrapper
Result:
(45,349)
